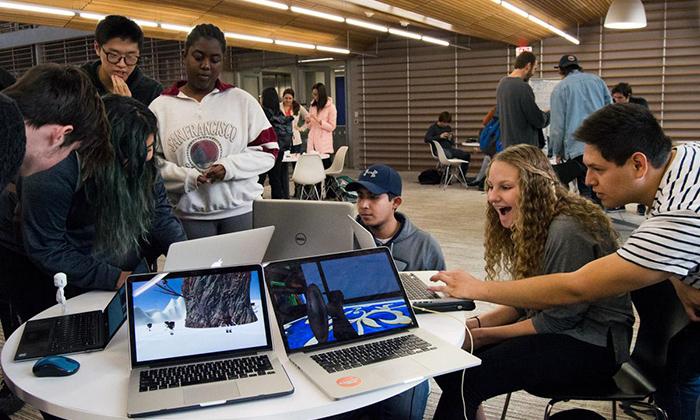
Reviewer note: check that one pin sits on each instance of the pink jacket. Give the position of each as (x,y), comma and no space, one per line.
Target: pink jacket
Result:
(321,135)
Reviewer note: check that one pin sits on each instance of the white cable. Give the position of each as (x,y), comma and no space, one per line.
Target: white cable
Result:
(471,351)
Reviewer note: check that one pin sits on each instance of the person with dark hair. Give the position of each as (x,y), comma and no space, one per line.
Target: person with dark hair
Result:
(216,141)
(321,123)
(573,99)
(622,94)
(118,44)
(6,79)
(629,160)
(535,226)
(291,108)
(441,132)
(279,174)
(12,140)
(521,119)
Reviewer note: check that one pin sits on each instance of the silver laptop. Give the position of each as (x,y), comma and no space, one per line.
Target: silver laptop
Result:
(304,228)
(200,339)
(347,324)
(415,282)
(238,248)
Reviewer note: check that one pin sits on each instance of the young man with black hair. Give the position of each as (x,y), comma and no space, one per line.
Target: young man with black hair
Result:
(521,119)
(629,160)
(441,132)
(573,99)
(118,44)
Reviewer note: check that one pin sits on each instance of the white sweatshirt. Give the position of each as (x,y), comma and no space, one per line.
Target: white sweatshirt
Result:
(229,128)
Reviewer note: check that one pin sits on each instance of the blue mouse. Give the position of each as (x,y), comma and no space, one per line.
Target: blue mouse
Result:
(55,366)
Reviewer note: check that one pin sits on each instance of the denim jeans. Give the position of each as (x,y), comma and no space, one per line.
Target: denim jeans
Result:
(679,390)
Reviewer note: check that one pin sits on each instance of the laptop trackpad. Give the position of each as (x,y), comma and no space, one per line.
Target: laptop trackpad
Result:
(217,391)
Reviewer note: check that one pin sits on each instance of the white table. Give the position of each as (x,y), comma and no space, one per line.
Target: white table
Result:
(294,157)
(99,389)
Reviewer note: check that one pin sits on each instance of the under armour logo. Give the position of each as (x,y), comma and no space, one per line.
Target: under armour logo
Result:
(371,174)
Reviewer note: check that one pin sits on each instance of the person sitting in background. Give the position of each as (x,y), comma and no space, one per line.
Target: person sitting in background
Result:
(216,141)
(118,44)
(279,174)
(379,197)
(291,108)
(535,226)
(321,123)
(441,132)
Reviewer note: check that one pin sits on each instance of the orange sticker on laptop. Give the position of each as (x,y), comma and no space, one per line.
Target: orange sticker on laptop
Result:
(348,381)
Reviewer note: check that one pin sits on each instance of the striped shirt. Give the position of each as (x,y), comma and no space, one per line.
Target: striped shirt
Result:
(669,240)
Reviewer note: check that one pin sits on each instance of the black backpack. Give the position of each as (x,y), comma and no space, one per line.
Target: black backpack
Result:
(429,177)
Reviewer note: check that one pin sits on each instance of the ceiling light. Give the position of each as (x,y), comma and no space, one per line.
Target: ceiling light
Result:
(314,13)
(366,25)
(626,14)
(294,44)
(268,3)
(36,9)
(333,49)
(92,16)
(435,41)
(173,27)
(146,23)
(406,34)
(515,9)
(316,60)
(252,38)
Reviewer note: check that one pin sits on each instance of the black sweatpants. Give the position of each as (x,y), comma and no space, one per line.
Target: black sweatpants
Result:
(279,178)
(530,361)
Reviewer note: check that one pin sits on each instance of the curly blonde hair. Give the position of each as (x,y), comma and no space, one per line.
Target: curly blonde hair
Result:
(518,251)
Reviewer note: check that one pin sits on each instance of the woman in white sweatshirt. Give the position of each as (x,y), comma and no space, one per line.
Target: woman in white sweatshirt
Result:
(215,142)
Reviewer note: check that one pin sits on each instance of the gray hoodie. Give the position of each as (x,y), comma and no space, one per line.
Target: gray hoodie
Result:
(412,248)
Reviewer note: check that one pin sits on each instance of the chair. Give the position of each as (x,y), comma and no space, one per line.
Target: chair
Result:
(448,164)
(438,166)
(309,172)
(661,316)
(336,169)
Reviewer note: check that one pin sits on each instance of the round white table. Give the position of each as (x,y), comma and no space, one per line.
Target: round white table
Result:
(294,157)
(99,389)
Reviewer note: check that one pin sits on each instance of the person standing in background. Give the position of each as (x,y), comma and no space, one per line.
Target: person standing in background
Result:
(321,123)
(573,99)
(521,119)
(291,108)
(279,174)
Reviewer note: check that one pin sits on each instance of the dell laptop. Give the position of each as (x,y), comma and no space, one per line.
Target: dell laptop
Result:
(74,333)
(415,282)
(237,248)
(347,324)
(304,228)
(200,339)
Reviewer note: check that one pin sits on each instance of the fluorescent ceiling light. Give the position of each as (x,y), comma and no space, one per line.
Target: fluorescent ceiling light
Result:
(268,3)
(407,14)
(406,34)
(314,13)
(36,9)
(553,29)
(435,41)
(333,49)
(173,27)
(294,44)
(92,16)
(315,60)
(626,14)
(515,9)
(366,25)
(146,23)
(252,38)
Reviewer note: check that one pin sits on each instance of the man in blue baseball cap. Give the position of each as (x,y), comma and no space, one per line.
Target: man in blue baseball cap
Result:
(379,197)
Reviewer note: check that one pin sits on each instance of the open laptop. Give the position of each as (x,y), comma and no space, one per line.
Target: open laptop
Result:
(304,228)
(237,248)
(74,333)
(199,339)
(415,282)
(347,324)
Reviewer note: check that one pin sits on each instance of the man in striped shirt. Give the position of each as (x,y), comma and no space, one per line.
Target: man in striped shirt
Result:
(629,160)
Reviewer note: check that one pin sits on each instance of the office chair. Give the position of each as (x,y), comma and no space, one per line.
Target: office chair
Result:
(307,173)
(336,169)
(448,164)
(661,316)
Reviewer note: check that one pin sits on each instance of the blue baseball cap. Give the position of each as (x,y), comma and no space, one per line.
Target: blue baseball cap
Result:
(378,179)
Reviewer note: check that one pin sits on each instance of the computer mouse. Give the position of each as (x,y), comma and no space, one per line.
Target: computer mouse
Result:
(55,366)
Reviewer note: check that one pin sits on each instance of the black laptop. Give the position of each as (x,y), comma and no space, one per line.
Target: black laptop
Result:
(74,333)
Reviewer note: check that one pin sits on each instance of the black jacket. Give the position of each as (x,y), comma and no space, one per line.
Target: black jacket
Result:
(143,88)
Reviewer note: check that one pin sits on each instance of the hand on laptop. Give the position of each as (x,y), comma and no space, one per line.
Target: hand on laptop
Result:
(457,284)
(122,279)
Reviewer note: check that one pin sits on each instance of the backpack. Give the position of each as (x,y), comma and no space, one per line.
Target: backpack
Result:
(490,137)
(429,177)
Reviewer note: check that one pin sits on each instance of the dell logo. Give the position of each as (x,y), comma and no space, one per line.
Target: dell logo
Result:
(300,239)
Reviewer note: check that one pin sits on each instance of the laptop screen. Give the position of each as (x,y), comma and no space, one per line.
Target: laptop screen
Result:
(115,312)
(186,315)
(336,298)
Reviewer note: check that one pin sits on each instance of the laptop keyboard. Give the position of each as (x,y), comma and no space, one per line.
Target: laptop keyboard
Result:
(375,352)
(415,288)
(206,372)
(74,332)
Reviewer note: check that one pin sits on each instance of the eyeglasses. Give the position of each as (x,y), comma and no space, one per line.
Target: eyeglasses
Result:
(114,58)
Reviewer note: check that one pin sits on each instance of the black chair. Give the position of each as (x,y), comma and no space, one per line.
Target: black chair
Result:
(661,316)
